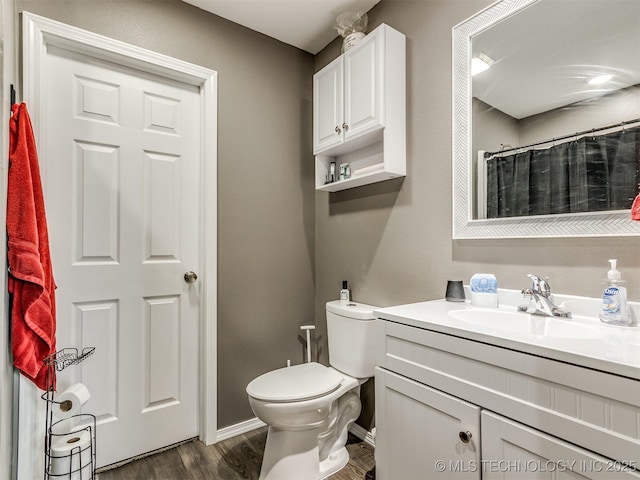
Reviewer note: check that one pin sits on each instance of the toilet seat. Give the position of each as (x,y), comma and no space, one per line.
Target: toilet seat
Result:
(300,382)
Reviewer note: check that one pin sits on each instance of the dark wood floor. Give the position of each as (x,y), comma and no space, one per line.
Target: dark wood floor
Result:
(238,458)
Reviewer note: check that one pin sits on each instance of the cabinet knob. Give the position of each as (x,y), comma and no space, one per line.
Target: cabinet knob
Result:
(465,436)
(338,131)
(345,126)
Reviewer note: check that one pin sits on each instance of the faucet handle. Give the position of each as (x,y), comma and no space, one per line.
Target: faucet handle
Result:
(540,285)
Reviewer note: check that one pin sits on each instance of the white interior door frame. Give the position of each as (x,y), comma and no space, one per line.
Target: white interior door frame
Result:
(39,33)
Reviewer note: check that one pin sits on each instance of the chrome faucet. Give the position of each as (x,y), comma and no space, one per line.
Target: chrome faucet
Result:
(540,302)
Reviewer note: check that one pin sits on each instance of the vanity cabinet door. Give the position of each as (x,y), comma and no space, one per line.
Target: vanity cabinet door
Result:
(512,451)
(328,103)
(422,433)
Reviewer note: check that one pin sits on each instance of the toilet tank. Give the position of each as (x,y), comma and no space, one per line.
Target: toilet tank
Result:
(350,336)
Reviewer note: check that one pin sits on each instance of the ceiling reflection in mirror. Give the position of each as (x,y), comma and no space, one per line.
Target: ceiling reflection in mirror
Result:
(556,110)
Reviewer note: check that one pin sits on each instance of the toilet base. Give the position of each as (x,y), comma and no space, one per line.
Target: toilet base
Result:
(334,462)
(290,455)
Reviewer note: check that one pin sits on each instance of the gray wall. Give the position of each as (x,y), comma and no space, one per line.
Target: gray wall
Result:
(492,128)
(265,168)
(392,241)
(495,127)
(623,105)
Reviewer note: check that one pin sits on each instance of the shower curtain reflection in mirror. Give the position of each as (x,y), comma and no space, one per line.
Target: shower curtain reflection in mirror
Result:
(588,174)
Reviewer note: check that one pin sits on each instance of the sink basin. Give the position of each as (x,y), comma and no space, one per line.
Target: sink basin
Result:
(523,323)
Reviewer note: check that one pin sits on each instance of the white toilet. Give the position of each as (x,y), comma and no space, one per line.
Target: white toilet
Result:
(309,407)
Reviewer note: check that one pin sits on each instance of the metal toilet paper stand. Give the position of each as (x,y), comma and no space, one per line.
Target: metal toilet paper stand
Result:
(77,462)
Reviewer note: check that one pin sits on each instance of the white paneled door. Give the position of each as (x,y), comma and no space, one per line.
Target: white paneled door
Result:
(122,184)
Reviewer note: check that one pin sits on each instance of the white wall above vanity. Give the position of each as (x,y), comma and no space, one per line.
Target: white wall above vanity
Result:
(494,390)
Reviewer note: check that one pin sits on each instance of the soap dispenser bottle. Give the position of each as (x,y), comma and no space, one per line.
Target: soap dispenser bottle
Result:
(344,293)
(614,298)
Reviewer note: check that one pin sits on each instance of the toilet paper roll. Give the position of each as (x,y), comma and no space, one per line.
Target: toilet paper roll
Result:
(69,402)
(71,456)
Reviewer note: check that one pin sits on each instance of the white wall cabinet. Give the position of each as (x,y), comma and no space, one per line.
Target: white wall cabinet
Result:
(359,110)
(529,417)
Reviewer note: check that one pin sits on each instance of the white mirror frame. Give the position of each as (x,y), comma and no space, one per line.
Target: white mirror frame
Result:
(603,224)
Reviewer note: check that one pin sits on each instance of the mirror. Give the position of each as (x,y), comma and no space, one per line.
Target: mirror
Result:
(535,101)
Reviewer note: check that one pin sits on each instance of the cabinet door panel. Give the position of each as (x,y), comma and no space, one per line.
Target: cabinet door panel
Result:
(512,451)
(363,87)
(418,432)
(328,99)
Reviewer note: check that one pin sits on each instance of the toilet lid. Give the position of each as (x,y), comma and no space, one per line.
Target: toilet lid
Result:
(299,382)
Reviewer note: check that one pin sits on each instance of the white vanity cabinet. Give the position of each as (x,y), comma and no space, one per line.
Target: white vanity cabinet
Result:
(453,407)
(513,450)
(359,111)
(418,432)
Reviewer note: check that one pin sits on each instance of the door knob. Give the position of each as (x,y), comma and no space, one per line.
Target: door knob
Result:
(190,277)
(465,436)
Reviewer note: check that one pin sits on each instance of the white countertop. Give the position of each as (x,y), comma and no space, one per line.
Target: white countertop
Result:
(609,348)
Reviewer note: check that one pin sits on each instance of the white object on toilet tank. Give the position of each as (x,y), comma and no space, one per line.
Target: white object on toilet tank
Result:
(351,337)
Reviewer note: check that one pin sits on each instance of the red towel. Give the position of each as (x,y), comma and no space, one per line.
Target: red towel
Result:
(33,307)
(635,208)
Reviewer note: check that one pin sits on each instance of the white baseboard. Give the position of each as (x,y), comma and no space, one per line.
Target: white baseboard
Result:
(239,429)
(362,434)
